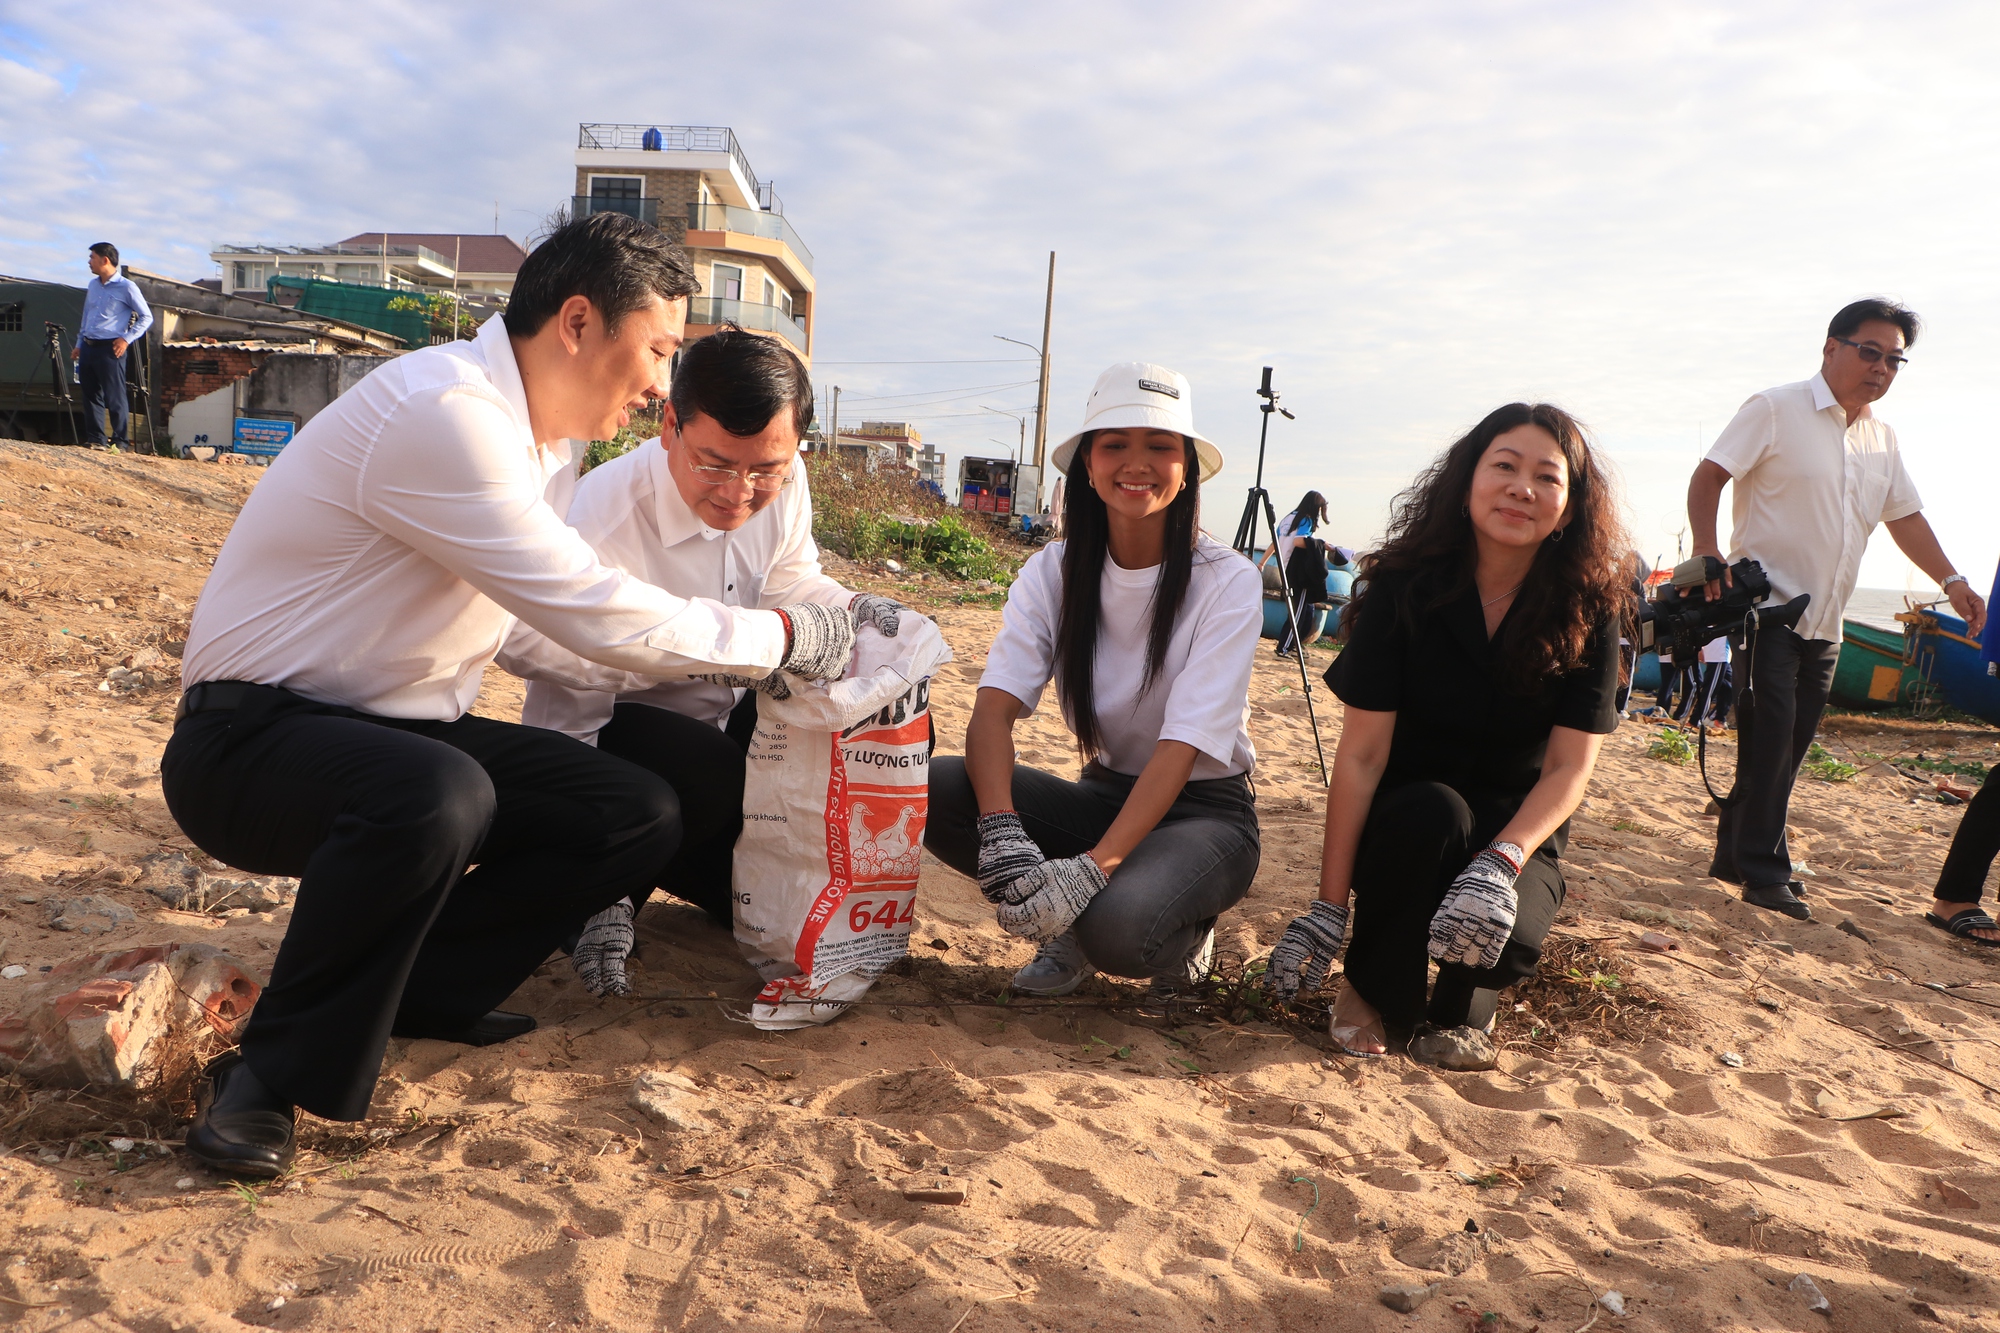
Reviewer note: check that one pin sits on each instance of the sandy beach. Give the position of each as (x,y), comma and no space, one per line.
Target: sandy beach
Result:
(1691,1129)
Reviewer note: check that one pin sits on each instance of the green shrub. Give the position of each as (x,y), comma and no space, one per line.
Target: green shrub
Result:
(1825,767)
(1672,746)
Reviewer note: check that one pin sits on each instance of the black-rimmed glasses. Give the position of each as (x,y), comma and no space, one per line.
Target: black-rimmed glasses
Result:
(1873,354)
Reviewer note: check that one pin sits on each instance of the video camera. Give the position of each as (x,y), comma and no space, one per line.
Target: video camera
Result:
(1684,619)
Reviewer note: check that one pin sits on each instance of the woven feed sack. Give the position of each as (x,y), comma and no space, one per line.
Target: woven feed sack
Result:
(835,795)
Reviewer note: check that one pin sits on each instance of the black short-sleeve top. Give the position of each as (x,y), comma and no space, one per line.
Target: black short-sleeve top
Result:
(1456,721)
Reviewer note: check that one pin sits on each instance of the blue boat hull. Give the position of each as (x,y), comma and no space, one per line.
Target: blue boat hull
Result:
(1274,620)
(1950,660)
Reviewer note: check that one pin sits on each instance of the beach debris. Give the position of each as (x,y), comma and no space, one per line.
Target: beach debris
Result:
(178,882)
(893,566)
(1953,1196)
(941,1192)
(13,971)
(88,915)
(1732,1059)
(575,1233)
(1451,1253)
(1657,942)
(122,1145)
(1460,1050)
(184,1183)
(1847,927)
(106,1019)
(1614,1301)
(674,1100)
(1809,1292)
(1771,1002)
(275,1303)
(740,1192)
(1405,1297)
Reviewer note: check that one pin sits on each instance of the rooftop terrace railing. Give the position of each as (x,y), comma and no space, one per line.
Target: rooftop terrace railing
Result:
(750,222)
(356,251)
(679,139)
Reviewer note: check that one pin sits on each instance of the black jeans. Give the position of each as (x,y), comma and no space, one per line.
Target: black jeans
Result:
(704,766)
(1418,837)
(1973,847)
(1778,704)
(103,379)
(1195,865)
(379,818)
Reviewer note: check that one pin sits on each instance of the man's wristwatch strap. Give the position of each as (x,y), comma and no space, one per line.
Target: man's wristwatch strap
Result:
(1950,579)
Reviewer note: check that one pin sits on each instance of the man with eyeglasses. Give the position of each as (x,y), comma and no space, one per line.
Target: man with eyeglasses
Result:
(1814,471)
(715,508)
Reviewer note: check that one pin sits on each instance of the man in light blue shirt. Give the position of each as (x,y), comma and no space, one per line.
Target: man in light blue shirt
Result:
(115,316)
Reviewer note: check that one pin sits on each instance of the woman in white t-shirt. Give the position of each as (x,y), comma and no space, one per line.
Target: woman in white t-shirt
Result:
(1148,629)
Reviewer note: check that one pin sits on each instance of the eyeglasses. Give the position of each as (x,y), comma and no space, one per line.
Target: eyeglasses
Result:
(723,476)
(1873,354)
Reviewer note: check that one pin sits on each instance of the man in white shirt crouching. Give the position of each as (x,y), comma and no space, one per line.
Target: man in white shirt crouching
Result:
(715,508)
(375,571)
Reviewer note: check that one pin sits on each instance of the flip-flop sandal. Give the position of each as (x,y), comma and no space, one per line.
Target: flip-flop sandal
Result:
(1344,1034)
(1964,923)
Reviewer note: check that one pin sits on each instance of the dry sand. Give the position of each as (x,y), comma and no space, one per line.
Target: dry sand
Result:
(1119,1173)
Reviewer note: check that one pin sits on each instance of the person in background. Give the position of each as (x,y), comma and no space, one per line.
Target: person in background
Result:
(373,574)
(1640,612)
(1308,585)
(1148,629)
(716,508)
(1478,680)
(1955,902)
(115,316)
(1814,471)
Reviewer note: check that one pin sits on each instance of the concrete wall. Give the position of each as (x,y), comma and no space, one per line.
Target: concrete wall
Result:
(299,387)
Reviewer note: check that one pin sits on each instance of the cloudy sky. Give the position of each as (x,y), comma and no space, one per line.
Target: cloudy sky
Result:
(1414,212)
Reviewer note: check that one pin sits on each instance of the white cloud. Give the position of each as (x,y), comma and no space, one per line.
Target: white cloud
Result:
(1414,212)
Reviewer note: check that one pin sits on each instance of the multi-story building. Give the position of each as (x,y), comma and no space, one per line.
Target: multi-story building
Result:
(474,264)
(694,183)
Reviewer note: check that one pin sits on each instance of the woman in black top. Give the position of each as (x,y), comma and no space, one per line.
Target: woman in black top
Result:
(1479,677)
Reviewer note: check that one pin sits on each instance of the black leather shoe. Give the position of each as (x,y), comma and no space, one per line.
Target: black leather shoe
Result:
(1778,898)
(240,1126)
(496,1027)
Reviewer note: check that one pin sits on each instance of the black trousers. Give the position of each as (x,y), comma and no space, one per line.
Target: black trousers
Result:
(704,766)
(1974,846)
(1779,700)
(379,818)
(1418,837)
(103,377)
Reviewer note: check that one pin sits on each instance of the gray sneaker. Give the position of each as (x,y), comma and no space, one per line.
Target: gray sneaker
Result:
(1169,986)
(1058,969)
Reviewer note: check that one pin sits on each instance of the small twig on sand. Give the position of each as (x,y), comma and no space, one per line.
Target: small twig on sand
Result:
(1912,1055)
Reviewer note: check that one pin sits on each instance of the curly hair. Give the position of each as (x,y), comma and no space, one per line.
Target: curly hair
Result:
(1577,581)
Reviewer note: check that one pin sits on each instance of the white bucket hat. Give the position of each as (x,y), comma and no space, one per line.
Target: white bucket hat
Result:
(1139,394)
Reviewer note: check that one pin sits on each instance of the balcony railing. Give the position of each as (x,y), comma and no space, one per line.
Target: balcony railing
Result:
(283,252)
(646,210)
(749,222)
(749,314)
(678,139)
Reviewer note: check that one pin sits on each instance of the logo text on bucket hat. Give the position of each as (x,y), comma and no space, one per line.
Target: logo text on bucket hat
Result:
(1156,387)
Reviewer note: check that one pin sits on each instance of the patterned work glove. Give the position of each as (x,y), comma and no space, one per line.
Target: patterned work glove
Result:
(1065,888)
(883,613)
(1476,918)
(1307,950)
(773,684)
(603,947)
(1007,859)
(822,639)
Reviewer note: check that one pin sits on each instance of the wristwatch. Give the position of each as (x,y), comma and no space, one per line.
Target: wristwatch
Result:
(1950,579)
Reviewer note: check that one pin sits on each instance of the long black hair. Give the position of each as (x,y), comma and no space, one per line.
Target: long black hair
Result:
(1086,546)
(1577,581)
(1311,508)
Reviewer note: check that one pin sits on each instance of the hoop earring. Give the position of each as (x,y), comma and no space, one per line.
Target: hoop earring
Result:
(1557,535)
(1465,511)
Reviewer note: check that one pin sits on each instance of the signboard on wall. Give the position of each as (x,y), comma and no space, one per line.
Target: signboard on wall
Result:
(261,435)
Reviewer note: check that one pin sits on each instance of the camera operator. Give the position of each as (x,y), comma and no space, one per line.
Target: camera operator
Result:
(1815,471)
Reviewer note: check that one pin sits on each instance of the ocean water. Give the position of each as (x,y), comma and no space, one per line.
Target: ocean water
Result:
(1878,607)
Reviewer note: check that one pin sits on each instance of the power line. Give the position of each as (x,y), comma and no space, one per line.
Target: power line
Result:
(974,361)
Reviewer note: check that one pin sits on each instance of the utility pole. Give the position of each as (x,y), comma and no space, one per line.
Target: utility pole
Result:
(1042,397)
(834,443)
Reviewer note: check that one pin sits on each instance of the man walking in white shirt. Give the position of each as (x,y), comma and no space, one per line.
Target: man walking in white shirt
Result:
(372,575)
(715,508)
(1815,471)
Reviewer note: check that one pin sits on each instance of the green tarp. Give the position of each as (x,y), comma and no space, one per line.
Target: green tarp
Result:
(357,304)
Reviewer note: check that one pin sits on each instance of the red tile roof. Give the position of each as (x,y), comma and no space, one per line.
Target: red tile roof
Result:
(477,253)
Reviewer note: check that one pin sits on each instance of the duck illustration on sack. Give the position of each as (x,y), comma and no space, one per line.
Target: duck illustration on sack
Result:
(893,853)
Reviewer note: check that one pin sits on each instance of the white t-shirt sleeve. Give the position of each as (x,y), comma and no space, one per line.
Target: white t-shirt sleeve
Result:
(1022,658)
(1209,697)
(1747,438)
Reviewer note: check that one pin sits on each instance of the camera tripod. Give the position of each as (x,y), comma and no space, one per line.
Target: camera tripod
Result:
(1246,542)
(54,336)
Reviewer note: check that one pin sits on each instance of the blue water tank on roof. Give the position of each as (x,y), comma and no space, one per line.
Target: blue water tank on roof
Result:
(650,141)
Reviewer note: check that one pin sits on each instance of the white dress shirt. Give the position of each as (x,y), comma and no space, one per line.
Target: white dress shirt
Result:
(1810,486)
(633,516)
(384,556)
(1202,694)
